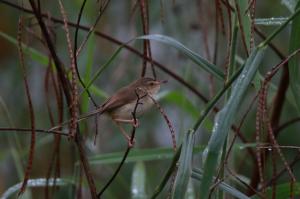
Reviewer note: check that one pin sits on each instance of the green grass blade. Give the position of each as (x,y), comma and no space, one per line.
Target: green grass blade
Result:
(137,155)
(190,192)
(273,21)
(294,69)
(103,67)
(280,28)
(225,117)
(289,4)
(200,61)
(216,98)
(40,182)
(185,167)
(198,175)
(138,181)
(98,92)
(170,41)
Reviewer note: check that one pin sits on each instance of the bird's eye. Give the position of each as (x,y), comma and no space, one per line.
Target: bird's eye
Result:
(149,83)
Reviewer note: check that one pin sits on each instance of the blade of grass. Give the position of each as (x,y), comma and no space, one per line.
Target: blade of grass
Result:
(211,68)
(137,155)
(294,70)
(273,21)
(198,175)
(40,182)
(279,29)
(200,120)
(225,117)
(185,167)
(190,193)
(200,61)
(211,104)
(138,181)
(103,67)
(289,4)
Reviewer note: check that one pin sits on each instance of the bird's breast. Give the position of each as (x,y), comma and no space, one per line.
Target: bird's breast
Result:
(125,111)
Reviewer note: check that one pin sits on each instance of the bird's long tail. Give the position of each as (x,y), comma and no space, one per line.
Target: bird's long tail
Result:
(82,117)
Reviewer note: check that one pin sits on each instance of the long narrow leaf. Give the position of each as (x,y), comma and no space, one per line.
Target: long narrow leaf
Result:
(289,4)
(273,21)
(294,69)
(206,65)
(185,167)
(198,174)
(225,117)
(137,155)
(40,182)
(138,181)
(280,28)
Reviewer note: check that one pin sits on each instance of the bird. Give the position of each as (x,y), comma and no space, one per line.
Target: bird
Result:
(121,105)
(136,97)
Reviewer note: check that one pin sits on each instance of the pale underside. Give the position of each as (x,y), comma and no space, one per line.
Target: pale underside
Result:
(125,111)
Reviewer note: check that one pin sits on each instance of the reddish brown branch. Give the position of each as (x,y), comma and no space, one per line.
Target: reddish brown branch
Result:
(66,87)
(162,112)
(252,18)
(144,8)
(30,107)
(55,157)
(145,32)
(29,130)
(272,136)
(74,90)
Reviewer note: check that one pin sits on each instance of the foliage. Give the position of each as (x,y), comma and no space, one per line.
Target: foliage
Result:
(231,99)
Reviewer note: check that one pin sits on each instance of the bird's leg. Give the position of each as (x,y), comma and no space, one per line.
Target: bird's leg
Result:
(127,137)
(135,123)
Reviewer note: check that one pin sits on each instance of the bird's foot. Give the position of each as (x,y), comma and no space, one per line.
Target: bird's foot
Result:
(130,142)
(135,123)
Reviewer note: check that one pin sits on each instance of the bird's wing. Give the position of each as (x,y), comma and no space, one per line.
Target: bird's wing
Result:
(127,96)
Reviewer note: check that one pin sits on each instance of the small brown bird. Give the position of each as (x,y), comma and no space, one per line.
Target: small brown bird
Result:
(121,104)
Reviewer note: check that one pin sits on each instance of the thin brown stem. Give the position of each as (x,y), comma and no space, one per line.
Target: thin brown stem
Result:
(132,137)
(30,107)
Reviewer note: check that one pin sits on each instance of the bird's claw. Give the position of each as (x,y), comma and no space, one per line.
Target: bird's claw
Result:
(136,123)
(130,142)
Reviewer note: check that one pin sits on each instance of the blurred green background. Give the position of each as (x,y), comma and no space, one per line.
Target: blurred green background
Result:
(191,23)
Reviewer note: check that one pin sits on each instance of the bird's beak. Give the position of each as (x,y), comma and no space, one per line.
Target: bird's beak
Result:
(162,81)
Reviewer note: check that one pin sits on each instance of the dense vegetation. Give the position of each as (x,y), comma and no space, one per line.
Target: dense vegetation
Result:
(224,126)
